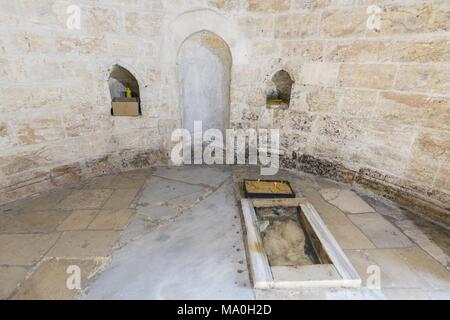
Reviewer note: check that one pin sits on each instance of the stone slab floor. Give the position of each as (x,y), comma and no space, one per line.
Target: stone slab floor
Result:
(175,233)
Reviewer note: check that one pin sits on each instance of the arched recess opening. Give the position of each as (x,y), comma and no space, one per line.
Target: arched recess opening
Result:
(125,93)
(204,68)
(281,88)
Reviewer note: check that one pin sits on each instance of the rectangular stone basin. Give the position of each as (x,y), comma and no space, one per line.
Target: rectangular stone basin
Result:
(289,246)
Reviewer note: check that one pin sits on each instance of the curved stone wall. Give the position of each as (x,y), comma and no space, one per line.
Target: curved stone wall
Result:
(370,102)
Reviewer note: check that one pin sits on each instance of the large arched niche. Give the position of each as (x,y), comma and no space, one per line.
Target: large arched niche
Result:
(180,28)
(204,71)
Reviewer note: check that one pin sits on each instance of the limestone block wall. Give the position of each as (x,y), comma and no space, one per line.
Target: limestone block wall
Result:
(368,106)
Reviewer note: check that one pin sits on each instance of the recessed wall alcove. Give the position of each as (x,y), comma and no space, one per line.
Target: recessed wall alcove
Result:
(280,90)
(124,91)
(204,69)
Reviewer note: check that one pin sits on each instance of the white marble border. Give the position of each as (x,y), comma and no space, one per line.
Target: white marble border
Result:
(260,270)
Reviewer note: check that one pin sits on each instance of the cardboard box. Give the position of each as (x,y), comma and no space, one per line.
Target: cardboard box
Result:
(125,107)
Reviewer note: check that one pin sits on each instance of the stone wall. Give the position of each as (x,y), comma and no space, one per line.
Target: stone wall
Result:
(373,102)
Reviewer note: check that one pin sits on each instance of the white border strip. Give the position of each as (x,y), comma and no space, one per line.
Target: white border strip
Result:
(260,269)
(261,272)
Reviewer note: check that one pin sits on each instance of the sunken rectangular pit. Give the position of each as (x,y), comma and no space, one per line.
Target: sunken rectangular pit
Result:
(289,246)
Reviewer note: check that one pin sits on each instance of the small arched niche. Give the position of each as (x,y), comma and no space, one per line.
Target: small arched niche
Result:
(280,89)
(125,93)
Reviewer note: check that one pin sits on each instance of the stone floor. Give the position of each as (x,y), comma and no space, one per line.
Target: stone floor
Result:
(175,233)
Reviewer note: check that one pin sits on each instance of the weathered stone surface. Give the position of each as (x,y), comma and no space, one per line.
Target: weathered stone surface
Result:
(28,42)
(101,20)
(112,219)
(422,51)
(192,175)
(257,27)
(324,74)
(12,70)
(90,45)
(174,195)
(43,202)
(31,183)
(346,233)
(6,136)
(438,294)
(422,232)
(121,199)
(78,220)
(10,279)
(179,245)
(311,4)
(9,15)
(268,6)
(349,236)
(49,280)
(409,269)
(129,48)
(405,294)
(86,124)
(338,130)
(385,145)
(158,213)
(302,50)
(428,150)
(225,4)
(358,51)
(410,19)
(263,48)
(442,182)
(132,180)
(39,130)
(45,13)
(322,100)
(49,72)
(330,214)
(86,199)
(305,273)
(294,120)
(296,26)
(24,249)
(141,23)
(284,244)
(31,222)
(436,275)
(359,103)
(367,76)
(406,193)
(25,98)
(346,200)
(414,109)
(380,231)
(343,23)
(395,272)
(84,244)
(422,78)
(324,168)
